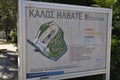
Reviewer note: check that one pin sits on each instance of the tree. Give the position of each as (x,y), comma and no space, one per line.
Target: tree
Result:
(8,16)
(105,3)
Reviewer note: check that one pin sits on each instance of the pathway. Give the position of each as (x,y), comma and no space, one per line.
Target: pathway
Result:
(8,61)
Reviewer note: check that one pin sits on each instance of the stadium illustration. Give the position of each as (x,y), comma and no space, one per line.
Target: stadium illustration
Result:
(49,41)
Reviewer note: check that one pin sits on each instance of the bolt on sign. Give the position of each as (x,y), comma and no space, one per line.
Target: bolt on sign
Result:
(58,41)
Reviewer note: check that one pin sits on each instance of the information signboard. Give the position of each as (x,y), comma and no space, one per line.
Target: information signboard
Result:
(58,41)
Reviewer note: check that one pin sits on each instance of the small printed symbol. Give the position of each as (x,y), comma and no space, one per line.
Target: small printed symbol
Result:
(98,60)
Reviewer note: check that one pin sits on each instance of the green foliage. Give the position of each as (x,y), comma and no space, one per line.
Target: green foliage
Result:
(8,16)
(116,21)
(115,60)
(13,35)
(105,3)
(115,52)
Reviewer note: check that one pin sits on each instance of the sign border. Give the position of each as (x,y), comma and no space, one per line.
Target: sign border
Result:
(22,43)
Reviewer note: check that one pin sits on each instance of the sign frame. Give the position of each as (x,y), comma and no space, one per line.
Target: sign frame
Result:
(22,35)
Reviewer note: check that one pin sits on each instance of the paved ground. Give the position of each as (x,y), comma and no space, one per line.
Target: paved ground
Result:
(8,61)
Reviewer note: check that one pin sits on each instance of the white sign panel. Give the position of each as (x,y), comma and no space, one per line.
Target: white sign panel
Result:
(63,41)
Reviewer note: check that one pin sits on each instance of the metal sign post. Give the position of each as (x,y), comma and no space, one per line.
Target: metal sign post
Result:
(58,41)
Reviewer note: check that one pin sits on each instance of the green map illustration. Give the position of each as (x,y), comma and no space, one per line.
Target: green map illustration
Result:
(49,41)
